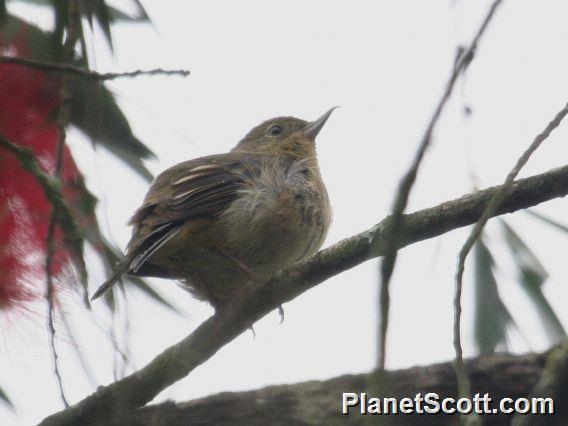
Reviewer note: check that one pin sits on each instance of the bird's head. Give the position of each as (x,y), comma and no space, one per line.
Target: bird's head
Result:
(283,136)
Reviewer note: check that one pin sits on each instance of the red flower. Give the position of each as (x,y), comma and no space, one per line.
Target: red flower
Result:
(29,101)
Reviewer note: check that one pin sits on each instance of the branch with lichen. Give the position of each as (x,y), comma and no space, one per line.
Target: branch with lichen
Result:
(179,360)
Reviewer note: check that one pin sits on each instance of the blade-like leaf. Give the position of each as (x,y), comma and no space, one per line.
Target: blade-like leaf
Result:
(150,292)
(4,398)
(108,253)
(118,15)
(3,12)
(60,11)
(93,107)
(491,316)
(95,111)
(43,46)
(142,14)
(114,13)
(548,220)
(84,58)
(523,254)
(104,19)
(531,276)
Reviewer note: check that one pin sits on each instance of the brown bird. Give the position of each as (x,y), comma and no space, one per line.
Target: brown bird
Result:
(219,222)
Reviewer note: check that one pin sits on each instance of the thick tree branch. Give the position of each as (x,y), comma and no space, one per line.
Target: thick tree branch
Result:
(553,383)
(85,73)
(319,402)
(176,362)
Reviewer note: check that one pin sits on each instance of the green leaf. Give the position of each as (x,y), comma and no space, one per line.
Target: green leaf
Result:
(491,316)
(60,12)
(119,15)
(95,112)
(105,20)
(548,220)
(110,255)
(531,276)
(142,14)
(3,12)
(99,10)
(114,13)
(93,107)
(150,292)
(4,398)
(43,47)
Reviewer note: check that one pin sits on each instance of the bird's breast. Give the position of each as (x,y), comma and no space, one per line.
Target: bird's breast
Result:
(281,215)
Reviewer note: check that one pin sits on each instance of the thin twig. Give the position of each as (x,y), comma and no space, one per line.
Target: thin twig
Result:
(52,190)
(401,201)
(180,359)
(75,344)
(73,23)
(89,74)
(492,206)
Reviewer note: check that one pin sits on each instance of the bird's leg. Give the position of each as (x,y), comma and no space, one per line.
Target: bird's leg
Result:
(221,309)
(252,274)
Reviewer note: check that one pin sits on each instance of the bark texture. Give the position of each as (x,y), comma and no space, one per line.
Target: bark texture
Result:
(319,402)
(179,360)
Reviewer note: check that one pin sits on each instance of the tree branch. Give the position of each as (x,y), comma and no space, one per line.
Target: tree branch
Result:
(553,383)
(493,204)
(464,58)
(63,114)
(180,359)
(82,72)
(319,402)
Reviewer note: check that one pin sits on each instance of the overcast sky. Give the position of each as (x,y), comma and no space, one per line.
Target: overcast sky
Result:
(385,63)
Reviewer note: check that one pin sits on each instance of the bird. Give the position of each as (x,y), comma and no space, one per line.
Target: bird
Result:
(218,223)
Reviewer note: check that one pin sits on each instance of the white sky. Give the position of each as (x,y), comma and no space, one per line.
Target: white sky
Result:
(385,63)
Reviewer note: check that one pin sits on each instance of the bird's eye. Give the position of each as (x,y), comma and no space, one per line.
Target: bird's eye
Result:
(275,130)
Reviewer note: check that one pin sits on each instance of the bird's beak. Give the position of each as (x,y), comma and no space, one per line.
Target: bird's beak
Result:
(313,128)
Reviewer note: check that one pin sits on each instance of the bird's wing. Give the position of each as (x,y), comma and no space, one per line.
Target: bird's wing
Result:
(201,188)
(195,188)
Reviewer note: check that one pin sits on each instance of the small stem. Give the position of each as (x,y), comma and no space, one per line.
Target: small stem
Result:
(494,203)
(399,206)
(85,73)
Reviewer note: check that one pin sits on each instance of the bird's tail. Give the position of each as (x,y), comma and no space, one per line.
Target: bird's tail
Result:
(121,268)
